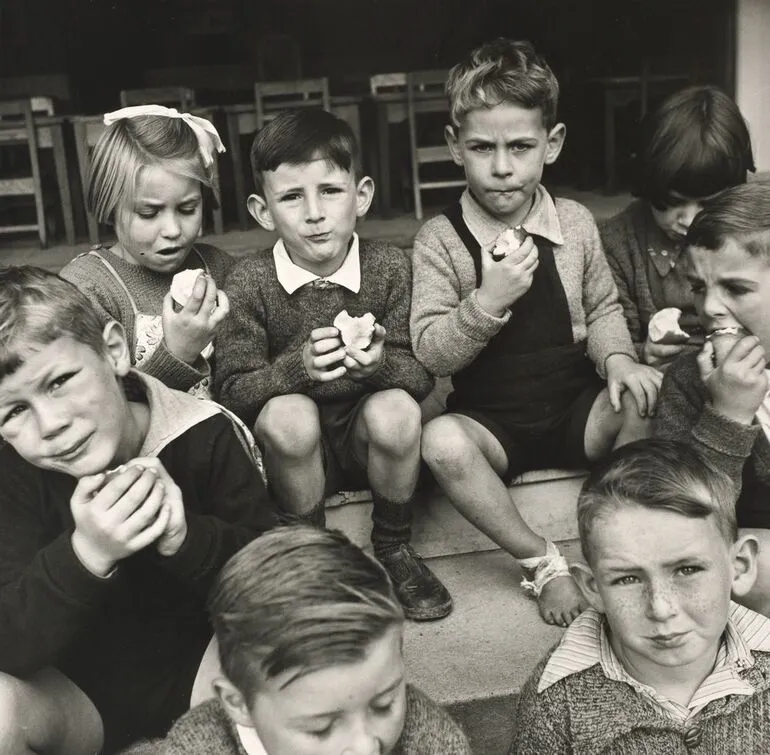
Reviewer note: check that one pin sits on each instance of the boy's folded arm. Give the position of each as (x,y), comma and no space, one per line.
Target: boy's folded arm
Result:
(245,377)
(683,413)
(447,332)
(237,506)
(606,326)
(46,600)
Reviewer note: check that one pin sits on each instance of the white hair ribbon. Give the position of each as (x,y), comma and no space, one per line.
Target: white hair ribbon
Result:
(204,130)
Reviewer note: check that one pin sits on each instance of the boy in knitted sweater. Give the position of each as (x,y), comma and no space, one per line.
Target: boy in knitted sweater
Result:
(530,332)
(312,664)
(328,411)
(717,399)
(663,662)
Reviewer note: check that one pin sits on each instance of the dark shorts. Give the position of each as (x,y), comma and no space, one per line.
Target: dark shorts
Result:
(559,443)
(344,471)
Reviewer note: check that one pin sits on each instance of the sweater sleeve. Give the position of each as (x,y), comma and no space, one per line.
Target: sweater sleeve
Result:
(232,503)
(614,233)
(541,720)
(607,330)
(246,375)
(399,367)
(46,595)
(428,728)
(685,414)
(448,332)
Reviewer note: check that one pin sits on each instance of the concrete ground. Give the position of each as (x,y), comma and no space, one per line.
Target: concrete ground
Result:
(399,230)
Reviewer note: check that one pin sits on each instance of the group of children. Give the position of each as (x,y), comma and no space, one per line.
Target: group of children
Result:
(129,511)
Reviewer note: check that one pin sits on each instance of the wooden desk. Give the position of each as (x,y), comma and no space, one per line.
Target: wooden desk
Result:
(50,135)
(623,90)
(242,120)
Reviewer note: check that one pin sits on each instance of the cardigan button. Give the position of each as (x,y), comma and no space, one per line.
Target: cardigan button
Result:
(692,737)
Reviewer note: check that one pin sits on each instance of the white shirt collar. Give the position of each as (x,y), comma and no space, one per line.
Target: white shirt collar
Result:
(250,740)
(293,277)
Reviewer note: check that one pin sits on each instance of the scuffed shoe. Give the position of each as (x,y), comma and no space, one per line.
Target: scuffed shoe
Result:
(420,592)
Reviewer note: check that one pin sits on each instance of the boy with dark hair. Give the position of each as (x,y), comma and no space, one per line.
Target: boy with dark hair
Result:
(104,574)
(693,146)
(717,399)
(528,331)
(310,665)
(328,410)
(663,661)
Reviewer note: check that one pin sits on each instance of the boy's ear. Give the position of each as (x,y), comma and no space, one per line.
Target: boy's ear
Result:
(364,196)
(116,347)
(452,139)
(232,701)
(259,210)
(744,555)
(586,581)
(556,138)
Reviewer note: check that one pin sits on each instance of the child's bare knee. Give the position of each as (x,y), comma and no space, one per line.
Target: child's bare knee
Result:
(445,444)
(289,425)
(14,724)
(392,419)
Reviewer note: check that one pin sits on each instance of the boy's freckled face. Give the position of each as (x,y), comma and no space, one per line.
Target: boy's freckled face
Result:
(314,207)
(664,583)
(357,708)
(64,409)
(159,229)
(503,150)
(731,287)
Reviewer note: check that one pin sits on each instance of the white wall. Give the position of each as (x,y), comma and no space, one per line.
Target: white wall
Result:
(753,74)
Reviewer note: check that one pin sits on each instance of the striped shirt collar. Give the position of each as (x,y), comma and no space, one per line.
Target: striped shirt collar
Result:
(250,740)
(586,644)
(542,220)
(293,277)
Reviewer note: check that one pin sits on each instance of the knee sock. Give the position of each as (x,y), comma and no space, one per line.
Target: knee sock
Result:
(391,525)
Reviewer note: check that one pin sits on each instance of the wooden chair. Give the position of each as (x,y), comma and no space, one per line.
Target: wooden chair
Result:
(425,94)
(273,96)
(179,97)
(17,129)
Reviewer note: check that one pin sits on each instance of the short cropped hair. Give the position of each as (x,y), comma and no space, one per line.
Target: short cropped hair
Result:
(695,144)
(300,136)
(298,599)
(657,474)
(741,213)
(36,309)
(130,144)
(503,71)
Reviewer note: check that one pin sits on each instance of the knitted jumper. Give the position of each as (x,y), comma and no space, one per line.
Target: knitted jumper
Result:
(259,350)
(206,730)
(449,327)
(684,413)
(632,241)
(589,714)
(148,288)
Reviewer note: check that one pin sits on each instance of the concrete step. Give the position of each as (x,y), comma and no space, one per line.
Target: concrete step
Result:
(476,660)
(546,500)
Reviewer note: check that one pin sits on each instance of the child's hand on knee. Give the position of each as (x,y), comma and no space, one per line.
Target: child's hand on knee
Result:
(175,533)
(117,518)
(323,355)
(190,330)
(739,384)
(363,363)
(642,381)
(505,281)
